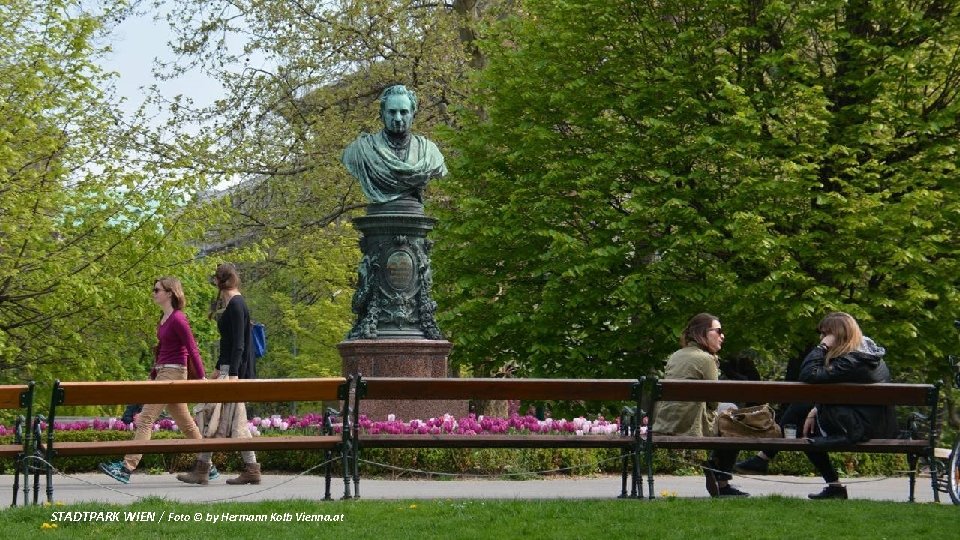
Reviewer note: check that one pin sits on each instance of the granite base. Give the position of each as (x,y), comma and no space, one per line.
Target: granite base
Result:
(401,358)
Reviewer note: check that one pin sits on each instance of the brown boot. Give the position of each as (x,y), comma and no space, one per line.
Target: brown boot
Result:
(198,475)
(250,475)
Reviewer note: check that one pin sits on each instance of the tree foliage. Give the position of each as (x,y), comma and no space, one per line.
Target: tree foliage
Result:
(301,80)
(765,160)
(82,233)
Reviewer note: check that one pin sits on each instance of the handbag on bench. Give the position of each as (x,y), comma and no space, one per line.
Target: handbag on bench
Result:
(757,421)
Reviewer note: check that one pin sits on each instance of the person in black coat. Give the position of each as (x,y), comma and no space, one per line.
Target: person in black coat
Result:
(235,361)
(844,355)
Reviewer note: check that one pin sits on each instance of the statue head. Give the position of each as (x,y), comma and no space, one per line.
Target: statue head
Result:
(398,106)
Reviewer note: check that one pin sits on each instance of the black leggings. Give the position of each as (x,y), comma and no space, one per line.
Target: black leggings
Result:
(723,460)
(796,414)
(821,460)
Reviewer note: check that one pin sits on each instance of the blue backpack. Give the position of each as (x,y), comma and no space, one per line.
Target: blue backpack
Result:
(259,333)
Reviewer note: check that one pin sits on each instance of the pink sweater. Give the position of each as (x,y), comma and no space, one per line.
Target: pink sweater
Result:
(177,345)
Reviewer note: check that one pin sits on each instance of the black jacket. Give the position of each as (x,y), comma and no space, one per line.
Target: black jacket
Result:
(236,347)
(864,366)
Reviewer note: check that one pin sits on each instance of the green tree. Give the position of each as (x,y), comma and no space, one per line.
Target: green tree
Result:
(307,301)
(83,233)
(301,82)
(768,161)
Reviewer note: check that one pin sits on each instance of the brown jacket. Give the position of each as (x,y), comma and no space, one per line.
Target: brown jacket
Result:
(688,417)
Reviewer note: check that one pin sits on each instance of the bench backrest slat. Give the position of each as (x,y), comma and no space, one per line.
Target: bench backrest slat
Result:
(10,395)
(792,392)
(553,389)
(211,391)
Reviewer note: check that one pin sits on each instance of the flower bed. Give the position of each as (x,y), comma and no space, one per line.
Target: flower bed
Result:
(518,463)
(447,424)
(473,425)
(456,460)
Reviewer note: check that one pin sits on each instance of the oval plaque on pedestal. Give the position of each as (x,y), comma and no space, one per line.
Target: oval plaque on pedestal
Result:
(400,270)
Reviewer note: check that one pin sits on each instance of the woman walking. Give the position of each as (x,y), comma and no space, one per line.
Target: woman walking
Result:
(235,361)
(176,347)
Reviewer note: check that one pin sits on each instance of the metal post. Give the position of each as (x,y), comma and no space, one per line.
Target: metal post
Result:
(37,454)
(655,393)
(360,391)
(57,398)
(933,400)
(626,422)
(20,463)
(344,393)
(636,485)
(327,429)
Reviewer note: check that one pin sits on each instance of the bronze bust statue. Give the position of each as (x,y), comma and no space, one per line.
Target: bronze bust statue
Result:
(394,163)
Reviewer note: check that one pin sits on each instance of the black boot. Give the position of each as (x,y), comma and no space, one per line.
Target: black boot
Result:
(711,478)
(830,492)
(752,465)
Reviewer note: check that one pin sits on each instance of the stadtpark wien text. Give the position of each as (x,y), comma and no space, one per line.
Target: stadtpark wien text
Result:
(199,517)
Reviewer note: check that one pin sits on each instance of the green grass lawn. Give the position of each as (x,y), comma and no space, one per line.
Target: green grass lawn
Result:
(760,517)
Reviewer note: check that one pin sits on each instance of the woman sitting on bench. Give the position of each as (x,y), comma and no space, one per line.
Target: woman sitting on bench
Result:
(844,355)
(697,359)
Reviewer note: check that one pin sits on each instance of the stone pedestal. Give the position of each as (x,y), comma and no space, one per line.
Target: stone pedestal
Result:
(400,358)
(392,300)
(395,333)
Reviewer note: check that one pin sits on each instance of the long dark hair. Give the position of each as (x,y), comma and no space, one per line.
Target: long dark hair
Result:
(845,329)
(696,330)
(225,278)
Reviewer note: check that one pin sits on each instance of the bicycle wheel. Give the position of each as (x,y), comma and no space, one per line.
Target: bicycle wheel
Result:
(953,473)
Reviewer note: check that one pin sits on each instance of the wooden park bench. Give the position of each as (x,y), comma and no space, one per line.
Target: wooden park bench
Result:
(620,390)
(19,396)
(201,391)
(914,395)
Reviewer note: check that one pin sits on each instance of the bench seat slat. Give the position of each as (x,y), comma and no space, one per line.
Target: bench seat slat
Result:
(494,441)
(212,391)
(527,389)
(750,443)
(10,395)
(793,392)
(173,446)
(10,450)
